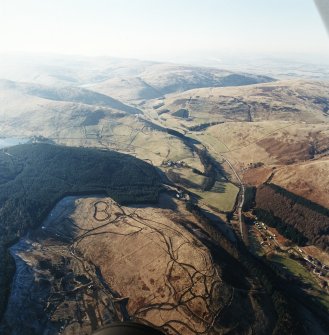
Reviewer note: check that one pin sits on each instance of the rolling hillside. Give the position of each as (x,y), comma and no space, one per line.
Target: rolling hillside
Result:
(294,100)
(212,133)
(31,109)
(160,79)
(28,91)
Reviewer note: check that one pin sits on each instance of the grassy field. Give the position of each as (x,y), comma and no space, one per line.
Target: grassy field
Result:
(193,177)
(222,198)
(211,140)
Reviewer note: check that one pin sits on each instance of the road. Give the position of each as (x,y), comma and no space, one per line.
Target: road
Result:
(241,196)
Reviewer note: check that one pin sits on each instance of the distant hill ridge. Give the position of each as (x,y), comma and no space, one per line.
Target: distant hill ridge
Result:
(158,80)
(66,94)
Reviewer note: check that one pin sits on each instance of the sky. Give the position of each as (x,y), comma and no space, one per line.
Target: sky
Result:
(162,29)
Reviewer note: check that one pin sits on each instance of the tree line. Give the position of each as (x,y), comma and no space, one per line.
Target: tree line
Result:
(33,177)
(297,218)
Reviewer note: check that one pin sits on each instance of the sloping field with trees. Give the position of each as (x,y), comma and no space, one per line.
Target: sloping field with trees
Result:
(297,218)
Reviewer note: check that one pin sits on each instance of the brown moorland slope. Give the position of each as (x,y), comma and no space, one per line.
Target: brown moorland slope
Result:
(291,100)
(309,180)
(105,261)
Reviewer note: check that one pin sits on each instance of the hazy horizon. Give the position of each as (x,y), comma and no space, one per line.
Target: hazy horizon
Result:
(183,31)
